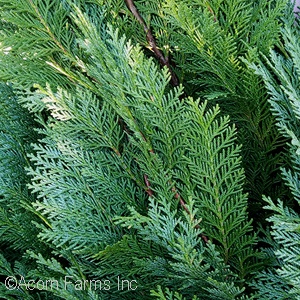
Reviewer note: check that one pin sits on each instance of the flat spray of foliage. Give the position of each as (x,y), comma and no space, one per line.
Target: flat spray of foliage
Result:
(137,141)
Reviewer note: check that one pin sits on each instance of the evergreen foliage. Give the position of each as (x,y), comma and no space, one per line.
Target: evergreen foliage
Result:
(137,139)
(208,41)
(281,77)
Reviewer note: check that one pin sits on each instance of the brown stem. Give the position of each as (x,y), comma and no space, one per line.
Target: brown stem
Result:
(148,191)
(183,204)
(164,61)
(212,12)
(177,196)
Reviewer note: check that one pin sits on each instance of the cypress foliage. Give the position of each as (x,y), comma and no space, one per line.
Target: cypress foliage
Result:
(208,42)
(137,138)
(281,77)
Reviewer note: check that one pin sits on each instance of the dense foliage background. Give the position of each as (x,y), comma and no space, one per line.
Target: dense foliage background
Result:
(149,149)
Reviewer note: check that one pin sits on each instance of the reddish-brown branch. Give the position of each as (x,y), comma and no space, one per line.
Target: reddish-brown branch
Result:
(183,204)
(148,191)
(212,12)
(164,61)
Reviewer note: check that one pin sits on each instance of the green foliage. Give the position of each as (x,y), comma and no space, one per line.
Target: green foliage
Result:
(208,42)
(216,37)
(281,76)
(17,230)
(168,295)
(117,183)
(16,134)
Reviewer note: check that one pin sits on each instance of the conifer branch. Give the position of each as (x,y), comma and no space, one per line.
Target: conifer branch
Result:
(164,61)
(212,12)
(183,204)
(174,80)
(177,196)
(74,78)
(149,191)
(124,138)
(46,26)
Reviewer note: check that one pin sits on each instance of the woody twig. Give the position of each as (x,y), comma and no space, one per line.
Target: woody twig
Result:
(184,206)
(164,61)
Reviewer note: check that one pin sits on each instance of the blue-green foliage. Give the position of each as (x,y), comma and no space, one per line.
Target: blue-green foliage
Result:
(16,134)
(208,42)
(17,231)
(281,76)
(109,172)
(88,172)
